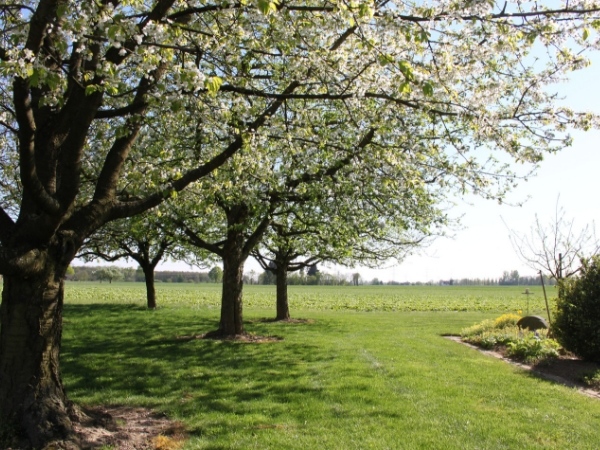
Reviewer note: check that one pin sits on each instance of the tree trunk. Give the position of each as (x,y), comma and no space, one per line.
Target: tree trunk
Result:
(283,310)
(33,403)
(150,288)
(234,256)
(231,302)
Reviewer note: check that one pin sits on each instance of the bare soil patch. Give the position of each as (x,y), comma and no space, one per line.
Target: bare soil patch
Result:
(567,369)
(128,428)
(291,320)
(248,338)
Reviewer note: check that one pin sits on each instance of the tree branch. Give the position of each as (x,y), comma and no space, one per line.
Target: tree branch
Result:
(111,170)
(133,108)
(7,226)
(44,14)
(126,209)
(501,15)
(408,104)
(27,150)
(283,96)
(164,245)
(257,235)
(330,171)
(104,256)
(345,35)
(182,15)
(197,241)
(328,96)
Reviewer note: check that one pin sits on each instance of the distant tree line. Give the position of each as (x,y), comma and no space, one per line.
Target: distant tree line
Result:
(508,278)
(511,278)
(113,273)
(322,279)
(312,276)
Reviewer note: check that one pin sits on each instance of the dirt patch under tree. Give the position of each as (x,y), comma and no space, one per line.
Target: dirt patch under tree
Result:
(128,428)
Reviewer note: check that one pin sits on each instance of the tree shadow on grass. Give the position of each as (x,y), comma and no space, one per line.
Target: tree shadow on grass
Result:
(126,354)
(286,321)
(567,371)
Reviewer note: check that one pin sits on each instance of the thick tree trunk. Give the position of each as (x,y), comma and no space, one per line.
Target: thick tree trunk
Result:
(33,404)
(231,302)
(150,288)
(234,255)
(283,310)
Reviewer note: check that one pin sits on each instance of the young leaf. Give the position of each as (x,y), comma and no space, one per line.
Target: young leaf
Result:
(213,84)
(586,34)
(267,6)
(427,89)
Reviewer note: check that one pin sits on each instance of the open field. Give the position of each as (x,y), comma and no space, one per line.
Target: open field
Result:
(340,380)
(357,298)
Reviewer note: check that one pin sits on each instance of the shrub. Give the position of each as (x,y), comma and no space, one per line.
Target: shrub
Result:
(577,320)
(503,332)
(506,320)
(491,333)
(531,348)
(592,379)
(492,338)
(478,329)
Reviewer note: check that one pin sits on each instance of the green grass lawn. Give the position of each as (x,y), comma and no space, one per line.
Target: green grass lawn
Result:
(342,380)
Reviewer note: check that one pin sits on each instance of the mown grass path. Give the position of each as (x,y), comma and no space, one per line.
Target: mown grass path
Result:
(341,380)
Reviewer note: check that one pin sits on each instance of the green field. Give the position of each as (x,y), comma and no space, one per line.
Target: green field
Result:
(343,379)
(356,298)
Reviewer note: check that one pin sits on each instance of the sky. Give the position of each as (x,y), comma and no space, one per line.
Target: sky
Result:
(481,248)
